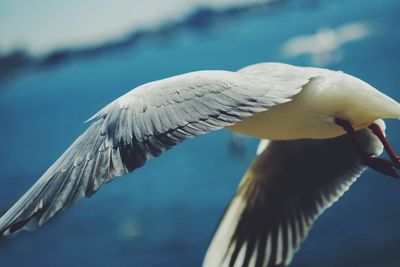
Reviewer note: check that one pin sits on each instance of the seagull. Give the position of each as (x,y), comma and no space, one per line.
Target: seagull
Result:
(320,129)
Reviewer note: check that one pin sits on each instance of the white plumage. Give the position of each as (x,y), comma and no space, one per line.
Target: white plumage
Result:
(308,163)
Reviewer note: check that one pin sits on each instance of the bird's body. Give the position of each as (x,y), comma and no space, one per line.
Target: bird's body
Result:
(312,112)
(305,168)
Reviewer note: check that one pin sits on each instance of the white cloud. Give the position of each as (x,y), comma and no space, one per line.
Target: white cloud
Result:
(323,47)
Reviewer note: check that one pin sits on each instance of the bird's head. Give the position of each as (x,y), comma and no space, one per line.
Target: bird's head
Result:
(358,102)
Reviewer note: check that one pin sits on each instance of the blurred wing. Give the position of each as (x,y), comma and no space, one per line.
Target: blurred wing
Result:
(287,186)
(147,121)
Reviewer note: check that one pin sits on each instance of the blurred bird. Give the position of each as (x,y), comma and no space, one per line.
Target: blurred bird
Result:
(324,129)
(324,46)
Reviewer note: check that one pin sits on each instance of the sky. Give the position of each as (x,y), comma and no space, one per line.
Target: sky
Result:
(42,25)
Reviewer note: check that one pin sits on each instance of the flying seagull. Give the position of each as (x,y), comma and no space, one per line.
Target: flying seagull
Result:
(324,128)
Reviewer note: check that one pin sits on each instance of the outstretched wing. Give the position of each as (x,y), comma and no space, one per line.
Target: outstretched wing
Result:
(286,188)
(147,121)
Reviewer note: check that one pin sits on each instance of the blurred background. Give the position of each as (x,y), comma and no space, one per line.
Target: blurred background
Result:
(61,61)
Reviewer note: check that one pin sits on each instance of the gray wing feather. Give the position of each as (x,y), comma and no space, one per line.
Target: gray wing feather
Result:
(147,121)
(287,187)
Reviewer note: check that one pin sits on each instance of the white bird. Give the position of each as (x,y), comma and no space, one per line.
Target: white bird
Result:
(324,128)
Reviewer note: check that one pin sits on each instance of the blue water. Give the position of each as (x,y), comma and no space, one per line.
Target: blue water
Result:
(164,214)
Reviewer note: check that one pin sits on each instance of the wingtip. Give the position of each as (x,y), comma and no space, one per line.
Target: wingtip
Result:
(14,228)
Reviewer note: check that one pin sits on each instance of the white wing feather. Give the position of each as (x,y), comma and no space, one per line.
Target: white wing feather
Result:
(147,121)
